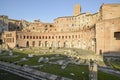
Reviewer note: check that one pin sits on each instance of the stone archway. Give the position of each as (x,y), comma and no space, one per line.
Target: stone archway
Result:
(72,44)
(100,52)
(78,44)
(33,44)
(46,44)
(65,44)
(40,43)
(59,44)
(27,44)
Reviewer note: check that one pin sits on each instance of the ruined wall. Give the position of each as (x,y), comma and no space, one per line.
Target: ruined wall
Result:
(9,38)
(14,25)
(3,23)
(110,11)
(83,39)
(106,39)
(99,32)
(76,23)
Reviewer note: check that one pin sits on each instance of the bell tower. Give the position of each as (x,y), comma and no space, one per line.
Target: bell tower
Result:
(77,9)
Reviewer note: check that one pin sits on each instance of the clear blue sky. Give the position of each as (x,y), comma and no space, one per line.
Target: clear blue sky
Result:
(47,10)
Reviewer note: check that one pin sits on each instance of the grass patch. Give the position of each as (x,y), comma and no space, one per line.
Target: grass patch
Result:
(106,76)
(76,69)
(115,64)
(24,51)
(31,61)
(11,59)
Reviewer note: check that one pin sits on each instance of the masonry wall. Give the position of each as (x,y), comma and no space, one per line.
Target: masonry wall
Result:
(76,23)
(110,11)
(9,38)
(82,39)
(14,25)
(106,41)
(3,23)
(77,10)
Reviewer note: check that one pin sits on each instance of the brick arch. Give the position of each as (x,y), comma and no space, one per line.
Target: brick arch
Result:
(40,43)
(33,43)
(51,44)
(72,44)
(65,44)
(59,44)
(33,37)
(78,44)
(27,44)
(46,44)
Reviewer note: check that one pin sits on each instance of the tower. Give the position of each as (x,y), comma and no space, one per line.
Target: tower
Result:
(77,10)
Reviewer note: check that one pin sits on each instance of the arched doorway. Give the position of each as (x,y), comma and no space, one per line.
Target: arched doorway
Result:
(100,52)
(27,44)
(78,44)
(46,44)
(65,44)
(59,45)
(72,44)
(39,43)
(33,43)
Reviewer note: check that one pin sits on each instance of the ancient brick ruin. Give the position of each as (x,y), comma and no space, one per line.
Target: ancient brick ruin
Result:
(99,32)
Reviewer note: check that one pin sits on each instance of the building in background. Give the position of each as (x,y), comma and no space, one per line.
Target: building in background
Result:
(3,23)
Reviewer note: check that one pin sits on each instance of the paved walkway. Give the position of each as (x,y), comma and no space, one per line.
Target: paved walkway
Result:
(110,71)
(93,72)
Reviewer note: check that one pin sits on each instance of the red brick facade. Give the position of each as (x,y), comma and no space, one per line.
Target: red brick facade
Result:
(105,36)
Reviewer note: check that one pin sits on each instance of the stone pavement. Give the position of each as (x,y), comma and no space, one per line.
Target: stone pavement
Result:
(93,71)
(29,73)
(110,71)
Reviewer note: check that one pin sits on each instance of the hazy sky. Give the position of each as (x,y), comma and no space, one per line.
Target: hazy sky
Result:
(47,10)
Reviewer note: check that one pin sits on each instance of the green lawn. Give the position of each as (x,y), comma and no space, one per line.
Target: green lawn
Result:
(31,61)
(8,58)
(115,64)
(106,76)
(76,69)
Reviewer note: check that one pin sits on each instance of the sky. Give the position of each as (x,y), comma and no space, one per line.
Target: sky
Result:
(47,10)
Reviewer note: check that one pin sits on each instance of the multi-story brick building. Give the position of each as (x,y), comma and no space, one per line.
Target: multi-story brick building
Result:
(98,32)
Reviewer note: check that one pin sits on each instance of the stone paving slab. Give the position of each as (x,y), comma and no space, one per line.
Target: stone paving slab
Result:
(34,72)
